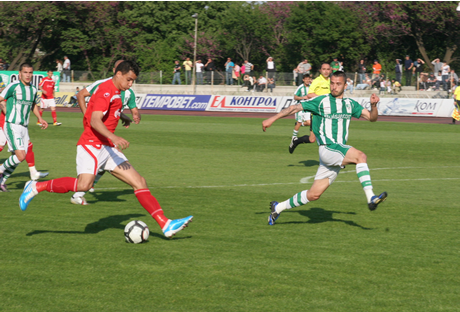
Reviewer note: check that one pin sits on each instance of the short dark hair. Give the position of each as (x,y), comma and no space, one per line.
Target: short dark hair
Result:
(340,73)
(324,63)
(49,70)
(127,66)
(306,76)
(25,65)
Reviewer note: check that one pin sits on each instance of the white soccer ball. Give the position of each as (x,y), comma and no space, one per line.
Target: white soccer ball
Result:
(136,232)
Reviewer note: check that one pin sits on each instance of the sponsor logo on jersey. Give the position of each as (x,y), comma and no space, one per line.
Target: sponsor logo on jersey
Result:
(107,94)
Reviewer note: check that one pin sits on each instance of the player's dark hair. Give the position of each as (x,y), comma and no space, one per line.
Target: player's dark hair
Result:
(340,73)
(127,66)
(324,63)
(25,65)
(306,76)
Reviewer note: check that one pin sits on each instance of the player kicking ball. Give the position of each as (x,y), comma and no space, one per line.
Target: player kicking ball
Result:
(331,118)
(99,148)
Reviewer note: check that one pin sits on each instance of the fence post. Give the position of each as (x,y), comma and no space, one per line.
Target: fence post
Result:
(71,75)
(161,80)
(356,79)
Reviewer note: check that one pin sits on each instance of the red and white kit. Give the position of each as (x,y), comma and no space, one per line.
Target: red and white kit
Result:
(95,151)
(47,99)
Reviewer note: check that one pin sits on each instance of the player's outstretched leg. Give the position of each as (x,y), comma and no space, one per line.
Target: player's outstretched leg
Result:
(6,170)
(150,203)
(295,142)
(276,208)
(362,170)
(32,188)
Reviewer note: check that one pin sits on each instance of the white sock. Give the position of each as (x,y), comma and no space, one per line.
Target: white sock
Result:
(79,194)
(32,171)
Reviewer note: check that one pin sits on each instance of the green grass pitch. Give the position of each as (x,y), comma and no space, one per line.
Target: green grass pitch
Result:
(330,255)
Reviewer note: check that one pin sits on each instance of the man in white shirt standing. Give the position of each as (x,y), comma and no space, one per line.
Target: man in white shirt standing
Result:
(66,70)
(199,72)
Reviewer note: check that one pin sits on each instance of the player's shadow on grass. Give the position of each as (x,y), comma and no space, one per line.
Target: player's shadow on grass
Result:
(319,215)
(112,222)
(107,196)
(307,163)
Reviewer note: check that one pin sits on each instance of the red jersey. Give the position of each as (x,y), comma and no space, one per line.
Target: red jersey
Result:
(2,119)
(105,99)
(47,84)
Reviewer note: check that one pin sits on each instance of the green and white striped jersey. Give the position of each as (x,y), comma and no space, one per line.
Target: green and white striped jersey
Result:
(331,117)
(302,90)
(128,98)
(19,102)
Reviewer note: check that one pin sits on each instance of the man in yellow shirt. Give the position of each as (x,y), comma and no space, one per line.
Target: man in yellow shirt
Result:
(188,70)
(320,86)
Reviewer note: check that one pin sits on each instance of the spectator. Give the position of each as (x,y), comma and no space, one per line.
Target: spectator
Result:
(262,83)
(2,64)
(73,100)
(271,69)
(59,67)
(383,86)
(248,67)
(256,84)
(398,70)
(376,69)
(303,68)
(295,74)
(349,86)
(366,84)
(188,65)
(431,82)
(210,68)
(362,71)
(375,82)
(271,84)
(437,65)
(242,70)
(445,75)
(66,70)
(341,66)
(237,71)
(438,80)
(229,71)
(423,84)
(249,82)
(388,85)
(453,78)
(397,86)
(176,76)
(199,72)
(418,66)
(408,64)
(335,65)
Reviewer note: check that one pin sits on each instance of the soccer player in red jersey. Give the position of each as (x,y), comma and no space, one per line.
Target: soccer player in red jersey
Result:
(47,87)
(99,147)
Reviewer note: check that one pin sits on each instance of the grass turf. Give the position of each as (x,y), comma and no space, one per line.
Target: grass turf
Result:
(330,255)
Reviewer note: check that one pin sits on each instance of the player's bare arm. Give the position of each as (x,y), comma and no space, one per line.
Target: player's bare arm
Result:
(300,98)
(285,112)
(42,90)
(3,105)
(98,125)
(36,112)
(81,99)
(136,115)
(372,115)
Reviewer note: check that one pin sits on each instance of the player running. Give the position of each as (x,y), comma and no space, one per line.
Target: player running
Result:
(319,86)
(128,100)
(331,118)
(20,97)
(302,118)
(47,87)
(99,147)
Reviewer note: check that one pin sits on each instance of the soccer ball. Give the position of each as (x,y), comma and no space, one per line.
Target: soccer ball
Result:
(136,232)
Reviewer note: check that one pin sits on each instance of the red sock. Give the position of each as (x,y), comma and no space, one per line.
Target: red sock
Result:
(53,113)
(151,204)
(61,185)
(1,148)
(41,113)
(30,156)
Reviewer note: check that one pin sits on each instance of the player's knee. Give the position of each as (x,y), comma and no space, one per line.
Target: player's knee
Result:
(362,158)
(139,183)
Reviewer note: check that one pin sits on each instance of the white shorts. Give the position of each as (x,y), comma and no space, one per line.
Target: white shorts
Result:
(302,116)
(45,103)
(90,158)
(330,160)
(2,137)
(17,137)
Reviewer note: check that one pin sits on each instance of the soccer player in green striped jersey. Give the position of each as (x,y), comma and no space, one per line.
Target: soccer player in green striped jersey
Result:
(128,99)
(302,118)
(331,119)
(20,97)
